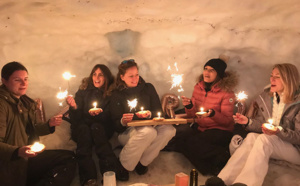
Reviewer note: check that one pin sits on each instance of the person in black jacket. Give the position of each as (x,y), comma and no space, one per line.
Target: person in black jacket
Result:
(94,127)
(141,144)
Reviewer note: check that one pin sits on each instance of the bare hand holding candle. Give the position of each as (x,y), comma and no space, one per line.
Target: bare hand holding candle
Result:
(143,113)
(158,118)
(95,111)
(202,113)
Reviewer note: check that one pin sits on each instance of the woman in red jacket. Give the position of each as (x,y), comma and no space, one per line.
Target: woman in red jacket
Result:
(207,146)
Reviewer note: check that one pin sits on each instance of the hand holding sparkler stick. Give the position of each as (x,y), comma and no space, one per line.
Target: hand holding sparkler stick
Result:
(55,120)
(185,101)
(240,119)
(127,117)
(71,102)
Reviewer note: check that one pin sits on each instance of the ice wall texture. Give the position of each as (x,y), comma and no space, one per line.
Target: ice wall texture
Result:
(51,37)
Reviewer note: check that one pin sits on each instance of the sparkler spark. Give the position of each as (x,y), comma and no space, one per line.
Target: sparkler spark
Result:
(176,79)
(68,75)
(62,94)
(132,104)
(241,96)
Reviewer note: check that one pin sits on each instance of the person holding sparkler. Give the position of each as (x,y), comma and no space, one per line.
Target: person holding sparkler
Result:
(212,103)
(281,102)
(141,144)
(92,126)
(21,162)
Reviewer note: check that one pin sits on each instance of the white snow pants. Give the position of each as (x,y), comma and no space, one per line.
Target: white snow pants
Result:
(143,144)
(249,164)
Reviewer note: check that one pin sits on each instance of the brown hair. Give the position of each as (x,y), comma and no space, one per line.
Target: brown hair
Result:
(126,64)
(290,79)
(109,78)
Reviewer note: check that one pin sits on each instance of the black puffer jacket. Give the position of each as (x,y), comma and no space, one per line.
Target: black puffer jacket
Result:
(84,98)
(146,96)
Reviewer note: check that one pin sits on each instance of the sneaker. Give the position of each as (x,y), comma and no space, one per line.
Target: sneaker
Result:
(141,169)
(91,182)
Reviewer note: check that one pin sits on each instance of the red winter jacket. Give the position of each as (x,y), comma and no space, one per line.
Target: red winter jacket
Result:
(220,98)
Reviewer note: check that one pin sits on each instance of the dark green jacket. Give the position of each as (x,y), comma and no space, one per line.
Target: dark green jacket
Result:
(19,127)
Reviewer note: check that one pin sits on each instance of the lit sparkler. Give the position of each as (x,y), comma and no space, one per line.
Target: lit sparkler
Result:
(176,79)
(132,104)
(61,95)
(68,76)
(241,105)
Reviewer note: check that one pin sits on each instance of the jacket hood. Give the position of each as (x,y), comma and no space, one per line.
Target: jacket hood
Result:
(228,83)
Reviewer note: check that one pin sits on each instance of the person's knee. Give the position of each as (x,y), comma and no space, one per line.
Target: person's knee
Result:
(148,133)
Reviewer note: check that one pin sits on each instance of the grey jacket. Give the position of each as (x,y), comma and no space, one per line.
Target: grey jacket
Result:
(261,110)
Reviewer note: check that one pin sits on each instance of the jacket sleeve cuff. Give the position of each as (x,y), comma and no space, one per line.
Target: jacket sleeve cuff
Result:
(189,106)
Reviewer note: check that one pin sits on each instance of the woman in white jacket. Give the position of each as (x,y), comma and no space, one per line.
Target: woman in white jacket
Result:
(280,102)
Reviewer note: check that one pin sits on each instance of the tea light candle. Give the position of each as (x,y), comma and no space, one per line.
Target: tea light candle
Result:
(37,147)
(158,118)
(95,109)
(270,125)
(142,111)
(202,112)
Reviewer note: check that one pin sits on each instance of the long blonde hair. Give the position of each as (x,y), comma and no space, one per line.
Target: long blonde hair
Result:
(290,79)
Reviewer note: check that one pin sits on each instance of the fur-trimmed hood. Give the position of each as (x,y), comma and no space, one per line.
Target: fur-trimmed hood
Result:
(228,83)
(84,83)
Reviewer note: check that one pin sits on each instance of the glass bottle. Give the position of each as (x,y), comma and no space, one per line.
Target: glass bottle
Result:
(193,178)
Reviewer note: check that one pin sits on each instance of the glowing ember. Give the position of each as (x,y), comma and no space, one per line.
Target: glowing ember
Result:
(132,104)
(68,75)
(241,96)
(37,147)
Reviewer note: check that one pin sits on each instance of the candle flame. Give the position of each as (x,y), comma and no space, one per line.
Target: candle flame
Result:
(142,108)
(241,96)
(95,104)
(132,104)
(68,75)
(270,121)
(201,109)
(158,114)
(36,147)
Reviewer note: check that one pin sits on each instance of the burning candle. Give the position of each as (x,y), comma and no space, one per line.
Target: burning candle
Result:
(202,112)
(270,125)
(37,147)
(158,118)
(95,109)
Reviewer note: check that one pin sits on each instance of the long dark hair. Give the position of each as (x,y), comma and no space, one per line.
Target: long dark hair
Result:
(109,78)
(126,64)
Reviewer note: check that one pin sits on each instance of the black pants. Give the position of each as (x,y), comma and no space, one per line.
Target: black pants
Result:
(88,136)
(208,151)
(51,167)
